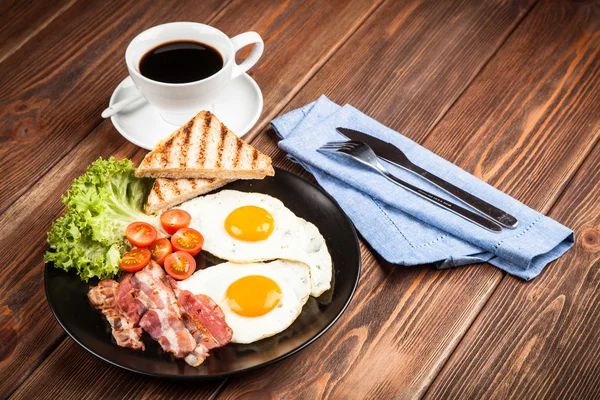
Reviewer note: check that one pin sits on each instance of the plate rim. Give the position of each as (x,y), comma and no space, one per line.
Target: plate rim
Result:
(254,367)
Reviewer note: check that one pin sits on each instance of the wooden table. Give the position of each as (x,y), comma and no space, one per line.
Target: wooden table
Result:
(508,89)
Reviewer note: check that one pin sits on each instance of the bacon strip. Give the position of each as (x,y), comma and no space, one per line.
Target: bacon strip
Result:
(105,297)
(183,324)
(129,305)
(163,320)
(203,317)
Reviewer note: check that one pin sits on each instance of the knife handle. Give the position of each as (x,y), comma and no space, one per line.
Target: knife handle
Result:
(502,217)
(456,209)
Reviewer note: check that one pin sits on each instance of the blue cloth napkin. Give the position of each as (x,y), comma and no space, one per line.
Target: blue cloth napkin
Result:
(402,227)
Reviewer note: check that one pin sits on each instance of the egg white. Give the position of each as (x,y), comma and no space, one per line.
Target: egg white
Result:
(292,277)
(293,238)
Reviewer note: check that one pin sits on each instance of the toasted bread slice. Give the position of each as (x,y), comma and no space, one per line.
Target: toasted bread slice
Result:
(167,193)
(205,148)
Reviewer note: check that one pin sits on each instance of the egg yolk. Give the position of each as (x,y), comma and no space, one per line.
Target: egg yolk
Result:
(253,295)
(249,223)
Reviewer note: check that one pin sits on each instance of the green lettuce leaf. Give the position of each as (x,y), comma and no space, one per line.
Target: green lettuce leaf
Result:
(90,237)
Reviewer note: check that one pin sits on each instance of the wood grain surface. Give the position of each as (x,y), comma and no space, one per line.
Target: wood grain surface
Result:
(386,12)
(539,339)
(54,102)
(22,20)
(508,90)
(299,38)
(501,114)
(96,379)
(56,85)
(27,328)
(26,317)
(50,115)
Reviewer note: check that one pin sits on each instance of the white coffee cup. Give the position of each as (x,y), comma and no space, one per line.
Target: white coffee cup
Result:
(178,102)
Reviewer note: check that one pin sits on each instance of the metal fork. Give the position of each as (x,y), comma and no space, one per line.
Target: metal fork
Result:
(362,153)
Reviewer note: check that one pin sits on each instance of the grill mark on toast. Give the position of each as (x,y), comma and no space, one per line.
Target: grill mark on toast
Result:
(221,147)
(187,132)
(238,152)
(202,144)
(164,152)
(158,191)
(175,187)
(193,183)
(254,157)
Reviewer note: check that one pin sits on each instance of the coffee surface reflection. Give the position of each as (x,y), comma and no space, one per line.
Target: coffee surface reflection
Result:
(181,62)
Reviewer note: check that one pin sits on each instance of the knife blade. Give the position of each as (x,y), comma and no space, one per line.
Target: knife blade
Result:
(392,154)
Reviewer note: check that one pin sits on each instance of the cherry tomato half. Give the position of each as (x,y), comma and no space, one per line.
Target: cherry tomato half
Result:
(140,234)
(135,260)
(180,265)
(174,220)
(188,240)
(160,249)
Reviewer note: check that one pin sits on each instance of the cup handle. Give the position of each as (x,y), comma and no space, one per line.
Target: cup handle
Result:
(243,40)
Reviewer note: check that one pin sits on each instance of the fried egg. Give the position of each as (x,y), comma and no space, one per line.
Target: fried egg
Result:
(259,300)
(249,227)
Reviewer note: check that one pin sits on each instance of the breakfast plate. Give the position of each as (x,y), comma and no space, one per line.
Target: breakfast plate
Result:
(67,296)
(238,105)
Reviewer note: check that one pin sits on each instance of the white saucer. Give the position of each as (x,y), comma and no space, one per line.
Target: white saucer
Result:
(238,106)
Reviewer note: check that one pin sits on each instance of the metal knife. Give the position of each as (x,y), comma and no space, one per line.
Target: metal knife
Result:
(392,154)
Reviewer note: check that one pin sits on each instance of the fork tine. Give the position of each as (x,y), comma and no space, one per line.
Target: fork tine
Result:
(353,144)
(335,146)
(339,142)
(340,146)
(327,149)
(331,149)
(336,143)
(344,150)
(347,147)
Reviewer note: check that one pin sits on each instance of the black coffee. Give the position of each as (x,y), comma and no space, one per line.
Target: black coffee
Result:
(181,62)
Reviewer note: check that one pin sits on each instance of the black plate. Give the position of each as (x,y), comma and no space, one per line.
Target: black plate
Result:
(66,295)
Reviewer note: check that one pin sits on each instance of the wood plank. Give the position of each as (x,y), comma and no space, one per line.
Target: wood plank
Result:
(527,129)
(535,123)
(26,320)
(20,21)
(40,112)
(412,59)
(54,88)
(367,320)
(535,340)
(37,331)
(26,323)
(299,38)
(96,380)
(539,339)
